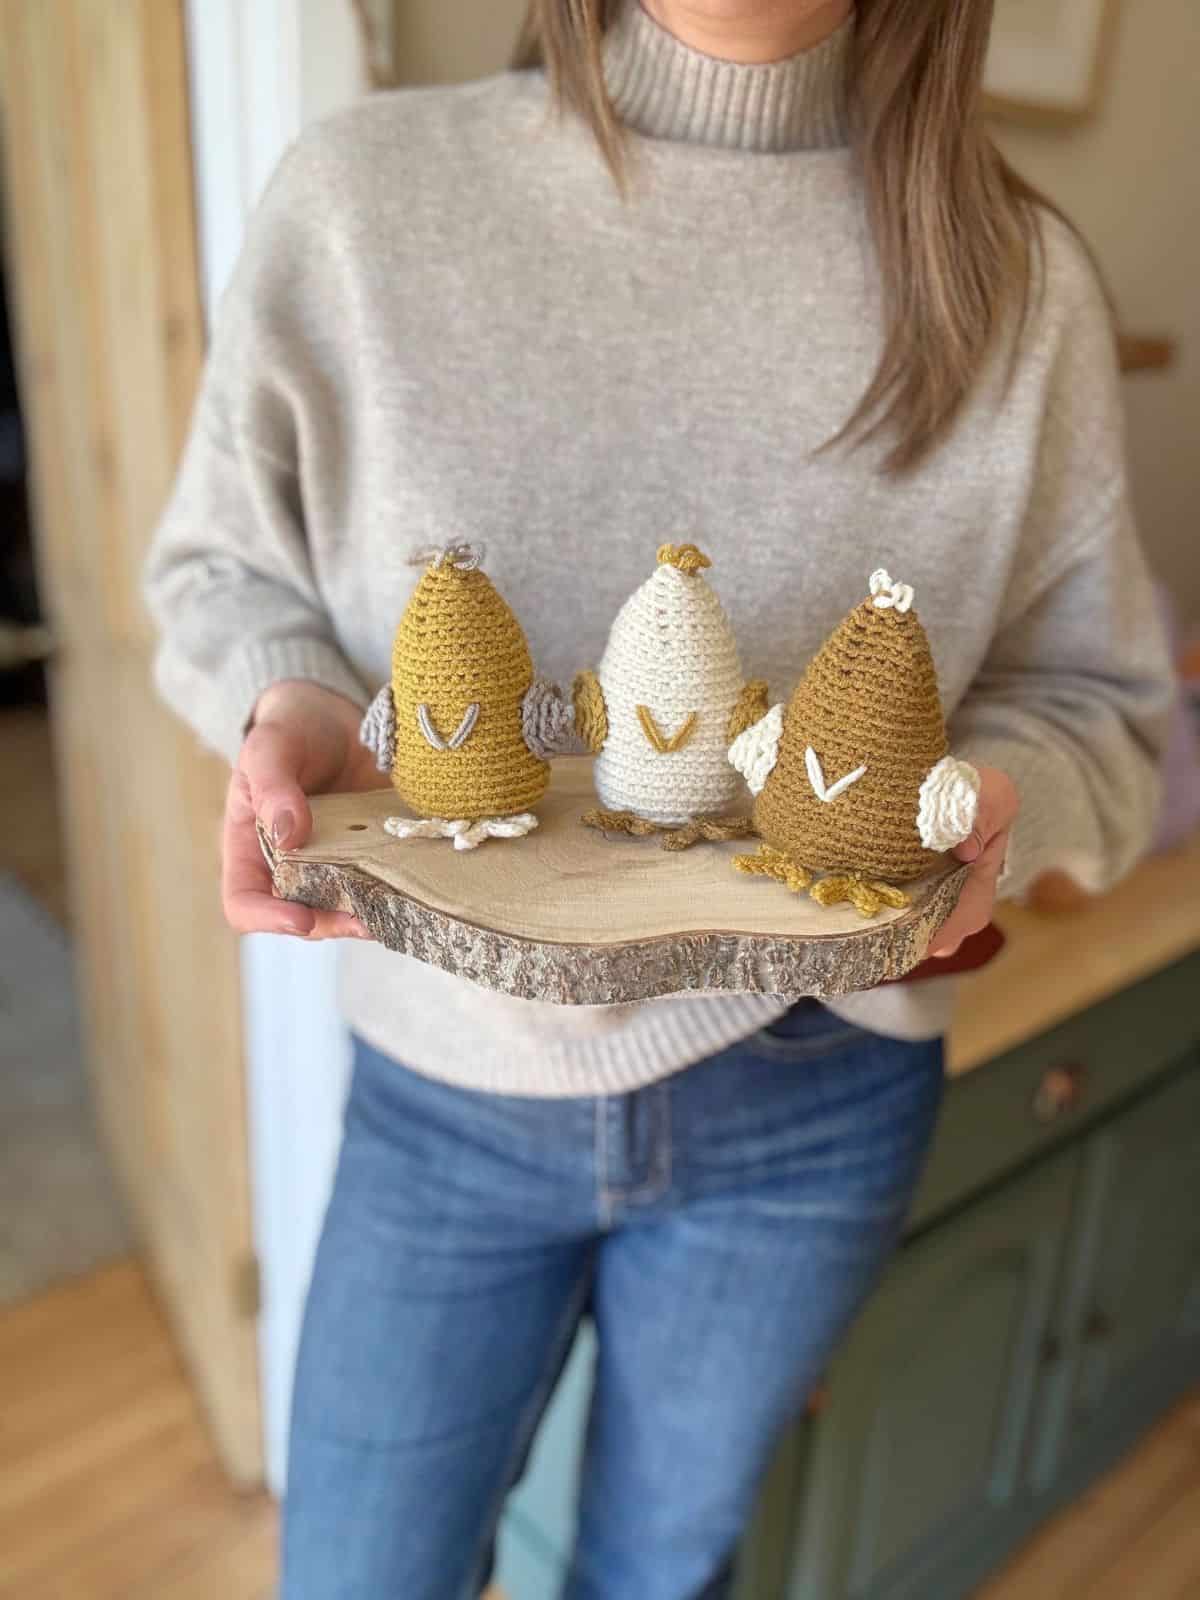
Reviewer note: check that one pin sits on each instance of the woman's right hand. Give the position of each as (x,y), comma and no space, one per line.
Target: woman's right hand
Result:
(303,740)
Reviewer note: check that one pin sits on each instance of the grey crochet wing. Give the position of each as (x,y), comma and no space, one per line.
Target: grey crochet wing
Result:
(547,720)
(378,730)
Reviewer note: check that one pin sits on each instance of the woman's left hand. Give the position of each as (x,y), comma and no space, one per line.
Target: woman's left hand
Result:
(985,850)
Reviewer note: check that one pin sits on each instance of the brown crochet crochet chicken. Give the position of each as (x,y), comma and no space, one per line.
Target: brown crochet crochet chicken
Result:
(853,780)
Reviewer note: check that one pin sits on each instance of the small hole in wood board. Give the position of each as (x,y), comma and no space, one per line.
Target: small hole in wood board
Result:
(356,827)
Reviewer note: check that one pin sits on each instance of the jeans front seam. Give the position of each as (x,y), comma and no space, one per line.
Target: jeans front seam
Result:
(531,1414)
(659,1180)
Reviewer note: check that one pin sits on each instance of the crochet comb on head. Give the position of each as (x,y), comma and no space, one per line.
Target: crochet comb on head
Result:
(685,558)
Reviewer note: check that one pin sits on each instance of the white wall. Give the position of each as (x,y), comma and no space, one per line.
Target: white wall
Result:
(261,69)
(1130,178)
(442,41)
(331,59)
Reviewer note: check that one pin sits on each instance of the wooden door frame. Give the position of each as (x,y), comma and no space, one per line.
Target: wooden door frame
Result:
(107,321)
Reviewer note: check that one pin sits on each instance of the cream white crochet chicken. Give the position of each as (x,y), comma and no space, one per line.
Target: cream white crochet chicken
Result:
(662,707)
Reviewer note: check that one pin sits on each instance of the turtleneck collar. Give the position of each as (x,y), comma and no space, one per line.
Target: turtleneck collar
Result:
(666,89)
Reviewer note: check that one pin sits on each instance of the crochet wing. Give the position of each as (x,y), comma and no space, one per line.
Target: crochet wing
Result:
(948,804)
(751,707)
(547,719)
(755,752)
(591,712)
(378,730)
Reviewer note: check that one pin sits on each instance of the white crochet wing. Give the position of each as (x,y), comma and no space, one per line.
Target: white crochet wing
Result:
(378,730)
(755,752)
(948,804)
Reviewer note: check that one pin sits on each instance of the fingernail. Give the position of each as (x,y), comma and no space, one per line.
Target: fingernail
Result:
(969,849)
(281,829)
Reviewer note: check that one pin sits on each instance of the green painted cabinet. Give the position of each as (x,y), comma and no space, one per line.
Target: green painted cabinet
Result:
(1128,1320)
(1043,1312)
(917,1461)
(1011,1354)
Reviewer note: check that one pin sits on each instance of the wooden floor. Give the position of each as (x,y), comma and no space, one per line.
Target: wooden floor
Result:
(109,1490)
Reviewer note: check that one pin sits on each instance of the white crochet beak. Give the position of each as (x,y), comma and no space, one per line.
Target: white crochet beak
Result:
(948,804)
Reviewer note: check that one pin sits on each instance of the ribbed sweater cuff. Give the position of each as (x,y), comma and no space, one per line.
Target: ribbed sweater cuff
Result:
(1057,827)
(254,668)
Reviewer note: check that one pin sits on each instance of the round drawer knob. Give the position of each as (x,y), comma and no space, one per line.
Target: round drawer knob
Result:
(1098,1326)
(1060,1091)
(1052,1350)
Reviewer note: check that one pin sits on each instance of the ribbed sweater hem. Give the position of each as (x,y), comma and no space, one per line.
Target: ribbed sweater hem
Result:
(659,1041)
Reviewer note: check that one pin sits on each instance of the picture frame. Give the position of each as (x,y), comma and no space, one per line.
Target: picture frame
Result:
(1046,63)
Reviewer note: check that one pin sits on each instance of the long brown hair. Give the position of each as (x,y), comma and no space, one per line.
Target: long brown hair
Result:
(955,228)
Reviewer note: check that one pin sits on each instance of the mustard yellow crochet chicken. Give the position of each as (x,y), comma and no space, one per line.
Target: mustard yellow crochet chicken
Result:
(854,779)
(464,729)
(660,710)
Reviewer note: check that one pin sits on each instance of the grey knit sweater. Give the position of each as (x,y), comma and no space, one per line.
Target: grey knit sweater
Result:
(447,325)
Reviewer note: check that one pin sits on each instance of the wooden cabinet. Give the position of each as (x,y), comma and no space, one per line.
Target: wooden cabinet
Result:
(1044,1310)
(1128,1318)
(1011,1354)
(918,1459)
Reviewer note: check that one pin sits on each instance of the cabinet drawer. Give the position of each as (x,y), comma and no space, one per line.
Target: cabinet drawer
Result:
(1047,1090)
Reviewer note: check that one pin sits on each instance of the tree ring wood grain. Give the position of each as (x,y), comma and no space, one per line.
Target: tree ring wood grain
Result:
(574,917)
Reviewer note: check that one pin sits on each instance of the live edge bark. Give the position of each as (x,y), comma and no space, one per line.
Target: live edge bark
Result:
(629,970)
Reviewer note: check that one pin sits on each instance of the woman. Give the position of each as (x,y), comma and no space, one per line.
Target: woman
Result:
(763,282)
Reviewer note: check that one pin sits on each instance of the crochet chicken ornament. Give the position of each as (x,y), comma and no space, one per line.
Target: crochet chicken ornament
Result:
(661,708)
(853,779)
(464,729)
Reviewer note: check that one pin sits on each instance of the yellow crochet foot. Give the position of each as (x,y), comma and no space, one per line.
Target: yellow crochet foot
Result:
(866,898)
(712,830)
(770,863)
(620,822)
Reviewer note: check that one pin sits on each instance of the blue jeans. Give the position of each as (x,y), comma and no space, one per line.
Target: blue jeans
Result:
(721,1228)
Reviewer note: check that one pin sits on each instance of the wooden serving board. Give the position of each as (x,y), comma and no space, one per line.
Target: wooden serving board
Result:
(576,917)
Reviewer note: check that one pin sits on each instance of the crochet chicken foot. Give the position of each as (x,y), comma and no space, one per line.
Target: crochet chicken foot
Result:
(866,896)
(777,864)
(675,836)
(468,833)
(619,822)
(853,888)
(712,830)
